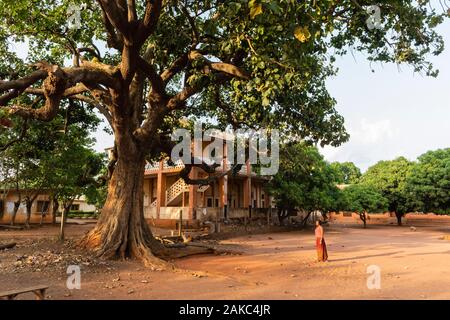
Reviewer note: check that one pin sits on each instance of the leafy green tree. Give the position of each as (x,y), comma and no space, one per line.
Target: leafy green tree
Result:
(22,161)
(363,199)
(33,151)
(241,63)
(428,185)
(347,172)
(76,172)
(304,181)
(389,178)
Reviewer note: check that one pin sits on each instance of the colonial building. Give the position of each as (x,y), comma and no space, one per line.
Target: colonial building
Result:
(166,195)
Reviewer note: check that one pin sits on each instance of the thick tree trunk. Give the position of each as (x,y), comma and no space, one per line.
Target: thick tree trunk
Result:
(121,230)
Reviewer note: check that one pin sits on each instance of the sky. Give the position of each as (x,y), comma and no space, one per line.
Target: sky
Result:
(389,113)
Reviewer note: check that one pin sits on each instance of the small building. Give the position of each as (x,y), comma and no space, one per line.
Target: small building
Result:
(41,208)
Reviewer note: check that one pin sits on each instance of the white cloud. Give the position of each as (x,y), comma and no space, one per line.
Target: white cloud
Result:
(368,133)
(369,141)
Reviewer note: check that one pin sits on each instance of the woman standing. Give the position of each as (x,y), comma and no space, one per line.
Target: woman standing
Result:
(322,254)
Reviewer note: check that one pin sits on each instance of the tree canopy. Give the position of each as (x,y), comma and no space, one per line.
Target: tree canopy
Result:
(363,199)
(347,172)
(55,158)
(428,185)
(305,181)
(389,177)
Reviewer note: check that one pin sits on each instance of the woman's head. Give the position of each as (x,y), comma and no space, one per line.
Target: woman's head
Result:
(318,223)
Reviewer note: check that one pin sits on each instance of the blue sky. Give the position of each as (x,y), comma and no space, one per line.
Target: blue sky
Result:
(389,113)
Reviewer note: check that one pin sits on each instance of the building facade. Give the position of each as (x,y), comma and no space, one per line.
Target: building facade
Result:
(40,209)
(167,196)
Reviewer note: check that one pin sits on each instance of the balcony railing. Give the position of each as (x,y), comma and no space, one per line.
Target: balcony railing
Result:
(149,167)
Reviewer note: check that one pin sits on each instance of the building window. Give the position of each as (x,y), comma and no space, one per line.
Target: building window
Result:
(42,206)
(75,207)
(254,203)
(209,202)
(262,204)
(2,208)
(217,203)
(262,195)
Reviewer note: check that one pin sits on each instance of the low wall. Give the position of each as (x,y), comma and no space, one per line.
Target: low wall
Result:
(173,224)
(166,213)
(388,218)
(211,214)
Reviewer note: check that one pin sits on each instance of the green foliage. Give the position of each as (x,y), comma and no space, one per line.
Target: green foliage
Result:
(304,180)
(428,185)
(347,172)
(389,178)
(287,47)
(362,198)
(55,156)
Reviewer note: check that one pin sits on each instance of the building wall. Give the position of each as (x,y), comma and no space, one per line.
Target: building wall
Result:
(8,206)
(12,196)
(84,206)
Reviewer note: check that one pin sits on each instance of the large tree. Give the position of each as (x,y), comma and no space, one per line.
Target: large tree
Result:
(305,181)
(389,178)
(243,63)
(428,185)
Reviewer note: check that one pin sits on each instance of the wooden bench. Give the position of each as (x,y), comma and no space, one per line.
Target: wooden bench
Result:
(39,291)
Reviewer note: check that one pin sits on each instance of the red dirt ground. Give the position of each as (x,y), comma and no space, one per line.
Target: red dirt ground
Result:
(276,265)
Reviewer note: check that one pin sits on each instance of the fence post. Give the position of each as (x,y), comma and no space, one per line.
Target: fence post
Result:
(180,224)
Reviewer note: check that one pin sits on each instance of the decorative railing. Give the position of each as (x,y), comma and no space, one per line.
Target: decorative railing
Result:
(175,190)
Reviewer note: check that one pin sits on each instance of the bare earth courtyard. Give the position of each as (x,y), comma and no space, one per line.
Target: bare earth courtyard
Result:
(277,265)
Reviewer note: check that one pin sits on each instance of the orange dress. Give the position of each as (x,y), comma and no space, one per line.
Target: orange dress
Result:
(322,254)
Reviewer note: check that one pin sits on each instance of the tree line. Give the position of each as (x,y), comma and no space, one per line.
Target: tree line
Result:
(307,182)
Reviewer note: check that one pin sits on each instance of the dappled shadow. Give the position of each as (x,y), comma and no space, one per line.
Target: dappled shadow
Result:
(366,256)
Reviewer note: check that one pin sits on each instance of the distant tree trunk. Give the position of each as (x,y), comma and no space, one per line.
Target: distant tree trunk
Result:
(399,218)
(55,207)
(28,205)
(16,208)
(363,217)
(29,200)
(66,209)
(283,213)
(305,220)
(42,218)
(121,229)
